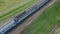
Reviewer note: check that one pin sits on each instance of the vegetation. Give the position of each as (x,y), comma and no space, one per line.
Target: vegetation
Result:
(17,10)
(45,22)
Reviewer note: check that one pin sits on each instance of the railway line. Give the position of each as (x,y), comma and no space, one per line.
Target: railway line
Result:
(44,25)
(9,22)
(26,23)
(18,19)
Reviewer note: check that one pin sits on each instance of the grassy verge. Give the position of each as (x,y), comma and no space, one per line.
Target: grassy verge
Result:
(45,22)
(17,10)
(8,5)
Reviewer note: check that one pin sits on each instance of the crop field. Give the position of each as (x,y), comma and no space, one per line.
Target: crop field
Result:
(45,22)
(6,4)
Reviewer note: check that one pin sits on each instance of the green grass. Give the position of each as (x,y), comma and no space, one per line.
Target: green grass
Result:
(7,4)
(45,22)
(15,11)
(57,30)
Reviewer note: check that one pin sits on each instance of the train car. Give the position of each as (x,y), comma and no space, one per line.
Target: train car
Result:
(20,18)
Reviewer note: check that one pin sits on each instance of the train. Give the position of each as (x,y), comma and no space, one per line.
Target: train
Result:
(20,18)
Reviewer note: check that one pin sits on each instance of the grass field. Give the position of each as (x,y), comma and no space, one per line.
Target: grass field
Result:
(57,30)
(45,22)
(12,12)
(7,4)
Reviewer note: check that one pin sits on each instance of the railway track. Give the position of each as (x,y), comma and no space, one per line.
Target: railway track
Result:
(49,4)
(6,24)
(31,12)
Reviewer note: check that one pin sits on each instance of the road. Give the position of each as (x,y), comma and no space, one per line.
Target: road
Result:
(28,21)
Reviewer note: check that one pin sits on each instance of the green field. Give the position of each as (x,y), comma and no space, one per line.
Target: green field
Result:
(57,30)
(7,4)
(17,10)
(45,22)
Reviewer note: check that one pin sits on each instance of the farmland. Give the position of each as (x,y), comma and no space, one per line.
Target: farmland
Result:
(45,22)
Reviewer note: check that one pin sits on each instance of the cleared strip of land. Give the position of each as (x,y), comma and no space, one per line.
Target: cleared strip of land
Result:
(45,22)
